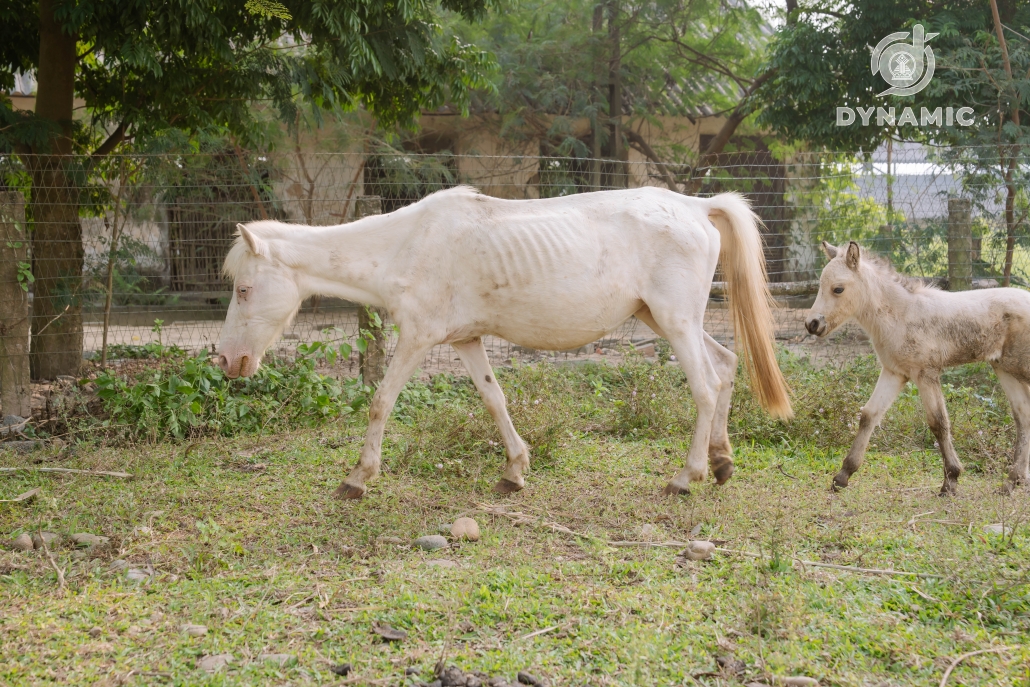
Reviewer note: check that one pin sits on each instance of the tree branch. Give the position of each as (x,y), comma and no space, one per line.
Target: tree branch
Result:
(638,142)
(116,137)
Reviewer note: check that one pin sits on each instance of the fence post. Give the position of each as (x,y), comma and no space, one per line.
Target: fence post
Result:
(373,361)
(15,392)
(960,244)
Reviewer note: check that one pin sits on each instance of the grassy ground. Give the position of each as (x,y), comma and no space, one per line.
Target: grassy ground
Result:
(270,563)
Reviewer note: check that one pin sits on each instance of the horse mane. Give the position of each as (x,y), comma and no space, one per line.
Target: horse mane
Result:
(885,269)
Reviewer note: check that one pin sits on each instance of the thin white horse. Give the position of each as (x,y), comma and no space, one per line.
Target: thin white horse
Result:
(917,331)
(549,274)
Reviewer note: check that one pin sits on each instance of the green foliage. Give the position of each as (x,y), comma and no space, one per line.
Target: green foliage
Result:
(154,350)
(195,398)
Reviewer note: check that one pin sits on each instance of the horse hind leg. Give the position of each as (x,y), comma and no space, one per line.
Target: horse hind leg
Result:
(720,452)
(937,417)
(473,357)
(1019,399)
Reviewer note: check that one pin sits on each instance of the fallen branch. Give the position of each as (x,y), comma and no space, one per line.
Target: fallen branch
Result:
(538,632)
(833,566)
(27,496)
(954,664)
(520,518)
(104,473)
(46,550)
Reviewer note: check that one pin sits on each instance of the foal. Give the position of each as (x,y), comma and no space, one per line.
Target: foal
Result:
(917,331)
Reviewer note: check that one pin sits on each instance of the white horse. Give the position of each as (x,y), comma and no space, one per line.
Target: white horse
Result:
(549,274)
(917,331)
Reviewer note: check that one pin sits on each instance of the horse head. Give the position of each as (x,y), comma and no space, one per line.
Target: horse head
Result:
(840,290)
(265,298)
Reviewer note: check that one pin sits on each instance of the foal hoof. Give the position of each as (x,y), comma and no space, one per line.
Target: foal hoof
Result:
(840,481)
(949,489)
(723,473)
(506,486)
(672,490)
(348,492)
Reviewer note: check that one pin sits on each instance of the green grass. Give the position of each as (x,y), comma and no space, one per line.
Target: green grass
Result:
(271,563)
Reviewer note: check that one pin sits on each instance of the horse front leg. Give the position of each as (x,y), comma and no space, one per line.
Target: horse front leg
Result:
(473,356)
(888,386)
(937,417)
(406,358)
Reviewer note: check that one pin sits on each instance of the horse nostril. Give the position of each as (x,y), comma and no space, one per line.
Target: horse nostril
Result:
(223,363)
(812,326)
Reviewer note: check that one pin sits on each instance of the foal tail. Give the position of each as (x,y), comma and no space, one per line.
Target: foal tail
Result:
(743,263)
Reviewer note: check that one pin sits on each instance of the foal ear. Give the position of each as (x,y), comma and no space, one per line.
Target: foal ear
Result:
(830,250)
(257,246)
(851,259)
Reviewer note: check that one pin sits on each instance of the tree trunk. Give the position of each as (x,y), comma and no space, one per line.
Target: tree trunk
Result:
(15,392)
(615,97)
(57,255)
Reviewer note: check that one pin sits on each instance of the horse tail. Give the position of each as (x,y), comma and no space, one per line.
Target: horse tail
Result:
(743,263)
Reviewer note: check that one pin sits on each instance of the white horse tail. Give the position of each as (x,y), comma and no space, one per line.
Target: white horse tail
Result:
(743,263)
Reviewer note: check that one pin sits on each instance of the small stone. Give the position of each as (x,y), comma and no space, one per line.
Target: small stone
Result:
(998,528)
(444,528)
(465,528)
(795,681)
(136,575)
(21,446)
(452,676)
(51,538)
(391,540)
(342,669)
(441,563)
(430,542)
(85,539)
(731,665)
(282,659)
(23,542)
(699,550)
(118,564)
(212,664)
(95,632)
(194,630)
(473,681)
(411,670)
(648,532)
(528,679)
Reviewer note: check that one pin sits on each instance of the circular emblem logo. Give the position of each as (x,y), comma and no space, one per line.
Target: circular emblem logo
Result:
(907,67)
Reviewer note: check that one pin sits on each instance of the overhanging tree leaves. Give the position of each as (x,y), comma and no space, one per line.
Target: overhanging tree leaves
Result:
(142,66)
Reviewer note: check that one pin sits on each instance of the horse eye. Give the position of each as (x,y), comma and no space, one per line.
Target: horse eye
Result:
(839,290)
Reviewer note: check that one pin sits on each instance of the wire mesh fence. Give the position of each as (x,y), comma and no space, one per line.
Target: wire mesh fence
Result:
(116,254)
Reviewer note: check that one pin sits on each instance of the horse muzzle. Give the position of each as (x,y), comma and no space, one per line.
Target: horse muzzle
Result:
(816,325)
(237,365)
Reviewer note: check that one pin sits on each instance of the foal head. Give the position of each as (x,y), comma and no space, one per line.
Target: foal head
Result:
(841,290)
(265,299)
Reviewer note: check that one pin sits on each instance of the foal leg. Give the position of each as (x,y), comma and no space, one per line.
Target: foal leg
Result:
(720,453)
(406,359)
(473,356)
(685,331)
(888,386)
(937,417)
(1019,399)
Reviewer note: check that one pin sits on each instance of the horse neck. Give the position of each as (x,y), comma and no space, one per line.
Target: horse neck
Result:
(884,306)
(348,261)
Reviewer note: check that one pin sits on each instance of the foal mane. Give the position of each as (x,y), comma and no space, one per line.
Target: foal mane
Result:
(886,270)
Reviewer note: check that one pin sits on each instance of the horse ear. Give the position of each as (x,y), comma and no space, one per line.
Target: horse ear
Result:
(830,250)
(854,252)
(256,245)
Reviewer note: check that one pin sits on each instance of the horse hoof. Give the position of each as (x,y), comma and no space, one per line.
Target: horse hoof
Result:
(723,472)
(348,492)
(840,481)
(506,486)
(672,490)
(948,490)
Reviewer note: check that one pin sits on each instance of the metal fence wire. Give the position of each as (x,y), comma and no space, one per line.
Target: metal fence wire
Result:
(140,240)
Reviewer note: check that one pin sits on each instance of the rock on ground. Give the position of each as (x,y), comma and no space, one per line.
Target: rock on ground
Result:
(430,542)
